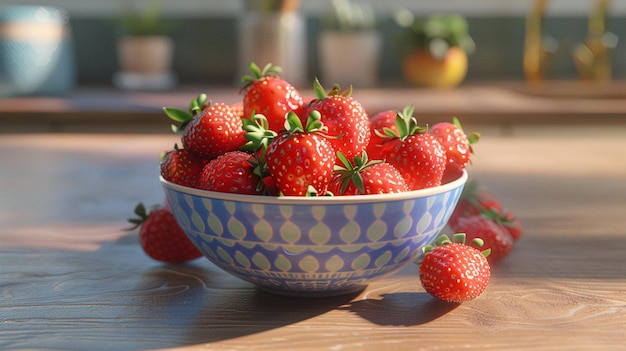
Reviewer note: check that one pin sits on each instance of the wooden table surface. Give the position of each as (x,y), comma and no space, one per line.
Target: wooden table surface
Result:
(71,278)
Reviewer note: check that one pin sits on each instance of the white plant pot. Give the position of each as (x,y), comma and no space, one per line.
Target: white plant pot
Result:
(349,58)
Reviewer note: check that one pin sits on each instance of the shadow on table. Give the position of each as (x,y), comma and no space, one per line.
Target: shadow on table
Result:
(119,298)
(198,304)
(400,309)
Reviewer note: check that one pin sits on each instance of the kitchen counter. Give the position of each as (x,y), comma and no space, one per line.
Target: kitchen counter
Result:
(73,279)
(501,105)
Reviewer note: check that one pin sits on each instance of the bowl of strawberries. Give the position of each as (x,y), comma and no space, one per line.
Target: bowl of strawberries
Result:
(310,197)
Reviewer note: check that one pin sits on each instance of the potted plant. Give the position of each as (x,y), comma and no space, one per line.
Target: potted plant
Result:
(144,50)
(349,45)
(435,49)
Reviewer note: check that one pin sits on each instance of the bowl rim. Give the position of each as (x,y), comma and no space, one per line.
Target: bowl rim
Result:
(320,200)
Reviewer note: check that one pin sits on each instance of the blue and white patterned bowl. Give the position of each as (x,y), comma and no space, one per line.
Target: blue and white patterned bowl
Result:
(302,246)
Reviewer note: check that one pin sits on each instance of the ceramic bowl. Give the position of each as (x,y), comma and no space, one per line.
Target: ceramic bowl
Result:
(304,246)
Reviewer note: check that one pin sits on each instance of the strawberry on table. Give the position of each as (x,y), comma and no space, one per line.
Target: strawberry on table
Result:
(418,155)
(161,237)
(494,235)
(473,201)
(477,200)
(457,145)
(268,94)
(345,118)
(231,172)
(301,157)
(512,224)
(181,167)
(365,177)
(455,272)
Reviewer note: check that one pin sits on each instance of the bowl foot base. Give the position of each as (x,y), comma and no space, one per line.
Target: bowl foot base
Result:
(314,293)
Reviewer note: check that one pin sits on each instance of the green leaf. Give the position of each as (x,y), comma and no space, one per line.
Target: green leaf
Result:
(343,159)
(473,138)
(478,242)
(313,122)
(293,123)
(140,210)
(459,238)
(178,115)
(257,133)
(258,73)
(320,93)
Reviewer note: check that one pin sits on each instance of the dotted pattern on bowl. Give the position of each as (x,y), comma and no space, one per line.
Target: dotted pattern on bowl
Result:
(331,249)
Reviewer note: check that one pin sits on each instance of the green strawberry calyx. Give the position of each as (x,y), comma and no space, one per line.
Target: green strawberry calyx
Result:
(459,238)
(312,192)
(406,125)
(268,70)
(142,214)
(314,124)
(183,117)
(503,218)
(258,134)
(350,172)
(321,93)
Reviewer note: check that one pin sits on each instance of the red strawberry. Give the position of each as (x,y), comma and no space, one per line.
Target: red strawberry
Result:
(364,177)
(301,157)
(269,95)
(209,130)
(237,109)
(494,235)
(301,112)
(161,237)
(181,167)
(457,145)
(453,271)
(512,224)
(476,200)
(231,172)
(418,155)
(345,118)
(215,131)
(473,201)
(378,122)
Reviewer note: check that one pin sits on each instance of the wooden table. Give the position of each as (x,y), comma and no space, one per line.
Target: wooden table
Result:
(71,278)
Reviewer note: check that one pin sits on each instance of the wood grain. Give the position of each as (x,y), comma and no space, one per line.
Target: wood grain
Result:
(72,279)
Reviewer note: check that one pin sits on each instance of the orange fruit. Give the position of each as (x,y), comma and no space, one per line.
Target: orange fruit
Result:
(420,68)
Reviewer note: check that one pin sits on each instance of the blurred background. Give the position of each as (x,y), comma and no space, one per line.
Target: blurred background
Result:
(211,41)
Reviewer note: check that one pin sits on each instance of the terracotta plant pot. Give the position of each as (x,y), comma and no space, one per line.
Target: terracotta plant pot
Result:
(145,54)
(145,62)
(420,68)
